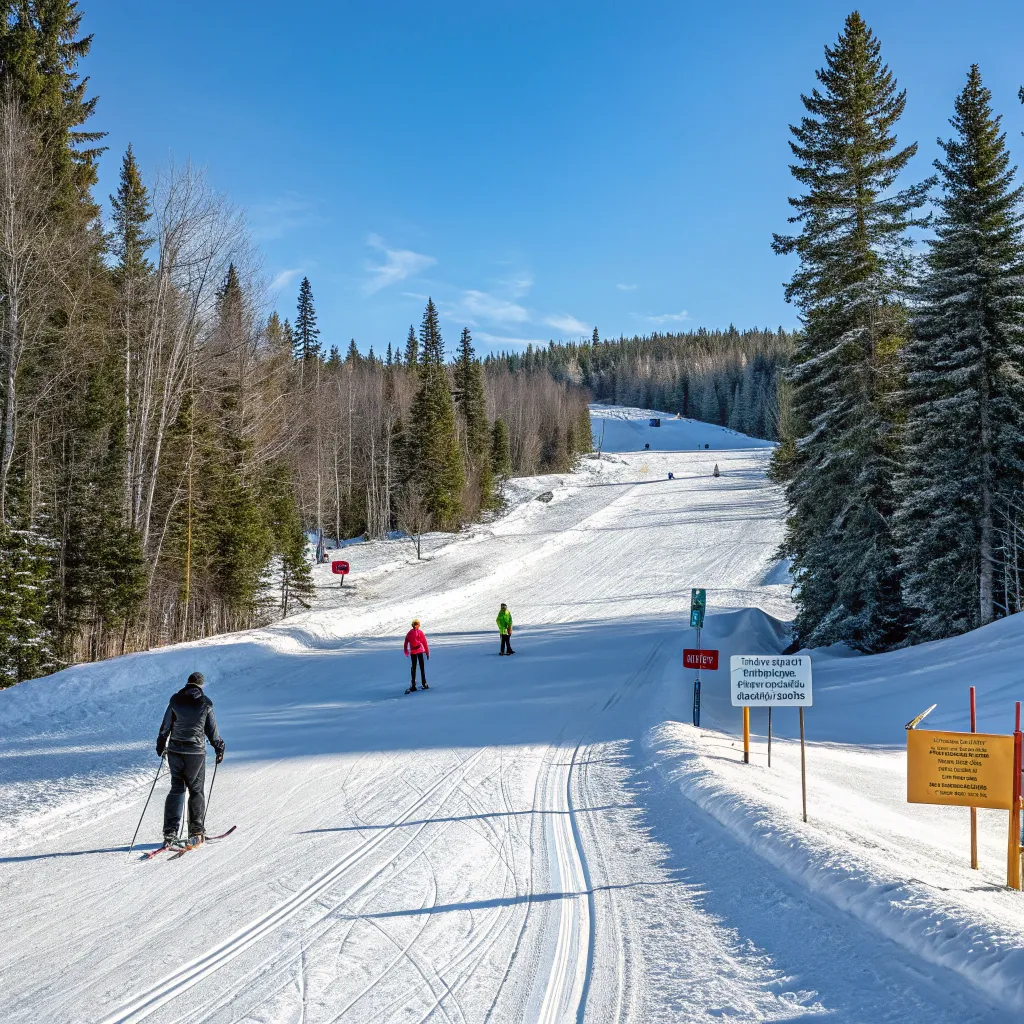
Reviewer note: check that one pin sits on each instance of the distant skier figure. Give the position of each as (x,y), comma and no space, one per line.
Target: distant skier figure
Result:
(188,723)
(504,621)
(416,647)
(715,473)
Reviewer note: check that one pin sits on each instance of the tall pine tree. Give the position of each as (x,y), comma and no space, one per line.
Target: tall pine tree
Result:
(305,333)
(501,455)
(850,288)
(471,400)
(412,348)
(965,390)
(436,457)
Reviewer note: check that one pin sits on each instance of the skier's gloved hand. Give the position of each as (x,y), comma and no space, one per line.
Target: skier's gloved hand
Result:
(161,743)
(220,756)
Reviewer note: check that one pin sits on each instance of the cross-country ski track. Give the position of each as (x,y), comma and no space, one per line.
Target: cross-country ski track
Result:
(539,838)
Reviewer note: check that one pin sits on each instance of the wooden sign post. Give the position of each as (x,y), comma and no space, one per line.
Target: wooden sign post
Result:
(770,680)
(970,769)
(974,810)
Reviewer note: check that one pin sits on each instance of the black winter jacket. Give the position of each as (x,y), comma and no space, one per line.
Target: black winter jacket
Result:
(188,723)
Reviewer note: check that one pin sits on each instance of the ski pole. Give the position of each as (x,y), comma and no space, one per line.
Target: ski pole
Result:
(159,768)
(212,781)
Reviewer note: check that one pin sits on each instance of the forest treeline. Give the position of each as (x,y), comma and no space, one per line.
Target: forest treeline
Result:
(726,377)
(167,443)
(903,447)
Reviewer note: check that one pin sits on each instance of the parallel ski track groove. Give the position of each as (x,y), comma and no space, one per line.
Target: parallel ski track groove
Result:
(485,938)
(464,950)
(279,964)
(565,984)
(183,979)
(528,878)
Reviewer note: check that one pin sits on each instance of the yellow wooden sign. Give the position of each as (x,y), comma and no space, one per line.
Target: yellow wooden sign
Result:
(969,769)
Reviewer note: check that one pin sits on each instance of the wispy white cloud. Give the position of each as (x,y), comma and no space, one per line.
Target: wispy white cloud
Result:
(275,218)
(627,287)
(285,278)
(518,285)
(566,323)
(397,266)
(477,306)
(668,318)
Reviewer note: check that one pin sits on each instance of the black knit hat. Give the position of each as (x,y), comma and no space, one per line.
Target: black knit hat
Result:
(196,679)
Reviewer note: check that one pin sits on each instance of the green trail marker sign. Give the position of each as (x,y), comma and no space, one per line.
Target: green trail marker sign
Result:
(698,602)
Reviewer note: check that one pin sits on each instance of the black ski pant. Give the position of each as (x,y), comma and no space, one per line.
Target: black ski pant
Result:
(423,672)
(506,644)
(188,771)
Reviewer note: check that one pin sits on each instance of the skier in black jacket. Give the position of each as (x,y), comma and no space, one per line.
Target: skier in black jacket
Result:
(188,723)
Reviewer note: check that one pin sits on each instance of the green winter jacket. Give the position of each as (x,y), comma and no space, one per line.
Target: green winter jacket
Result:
(504,621)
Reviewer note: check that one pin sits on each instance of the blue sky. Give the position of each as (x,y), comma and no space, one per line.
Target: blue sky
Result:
(537,167)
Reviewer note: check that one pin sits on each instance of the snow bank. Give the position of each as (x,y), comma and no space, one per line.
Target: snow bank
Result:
(902,869)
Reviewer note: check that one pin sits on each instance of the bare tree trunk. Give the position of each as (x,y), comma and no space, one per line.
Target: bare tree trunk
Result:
(12,357)
(986,552)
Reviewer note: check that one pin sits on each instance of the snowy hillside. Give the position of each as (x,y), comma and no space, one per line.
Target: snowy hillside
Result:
(540,838)
(628,430)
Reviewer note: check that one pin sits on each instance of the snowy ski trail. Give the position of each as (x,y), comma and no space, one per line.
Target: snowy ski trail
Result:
(510,846)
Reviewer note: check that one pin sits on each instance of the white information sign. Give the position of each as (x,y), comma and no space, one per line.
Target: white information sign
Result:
(764,680)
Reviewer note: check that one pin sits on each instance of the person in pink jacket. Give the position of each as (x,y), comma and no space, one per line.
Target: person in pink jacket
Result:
(416,647)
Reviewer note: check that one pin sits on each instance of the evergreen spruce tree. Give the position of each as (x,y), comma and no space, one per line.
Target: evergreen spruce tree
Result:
(965,392)
(130,244)
(412,348)
(131,212)
(352,356)
(305,332)
(439,472)
(583,436)
(28,643)
(501,455)
(850,288)
(334,358)
(390,359)
(284,522)
(40,48)
(472,404)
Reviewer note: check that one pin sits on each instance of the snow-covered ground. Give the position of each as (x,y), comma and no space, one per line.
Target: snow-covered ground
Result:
(539,839)
(625,429)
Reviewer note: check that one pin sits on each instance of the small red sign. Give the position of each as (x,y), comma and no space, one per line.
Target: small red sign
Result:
(339,568)
(700,659)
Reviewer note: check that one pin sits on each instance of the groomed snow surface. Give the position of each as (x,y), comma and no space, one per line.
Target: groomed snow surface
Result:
(542,838)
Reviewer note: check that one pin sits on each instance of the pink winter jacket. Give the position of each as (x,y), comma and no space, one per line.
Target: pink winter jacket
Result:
(416,643)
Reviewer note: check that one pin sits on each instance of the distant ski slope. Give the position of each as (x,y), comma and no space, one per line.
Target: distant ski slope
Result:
(537,838)
(627,429)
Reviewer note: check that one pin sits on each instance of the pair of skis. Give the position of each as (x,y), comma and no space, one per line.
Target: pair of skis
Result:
(180,851)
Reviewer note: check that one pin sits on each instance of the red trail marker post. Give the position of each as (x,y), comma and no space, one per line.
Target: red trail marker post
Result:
(974,810)
(340,569)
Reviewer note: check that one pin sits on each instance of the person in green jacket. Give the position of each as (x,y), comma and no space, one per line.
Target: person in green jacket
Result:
(504,621)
